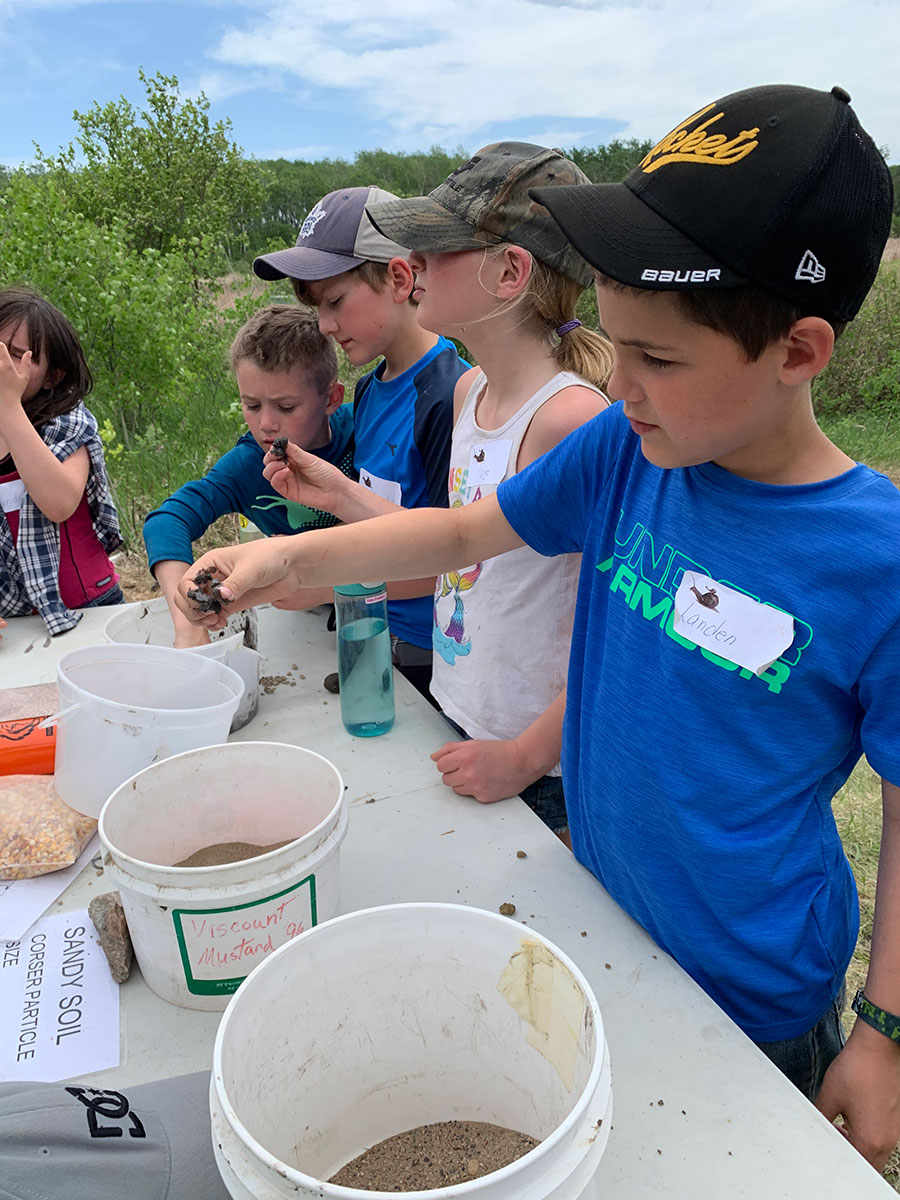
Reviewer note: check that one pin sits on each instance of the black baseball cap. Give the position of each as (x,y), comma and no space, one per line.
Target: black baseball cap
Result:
(778,186)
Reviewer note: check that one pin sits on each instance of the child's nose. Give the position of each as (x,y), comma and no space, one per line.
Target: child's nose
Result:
(327,324)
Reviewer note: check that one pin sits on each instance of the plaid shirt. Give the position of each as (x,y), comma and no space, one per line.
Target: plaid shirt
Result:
(29,568)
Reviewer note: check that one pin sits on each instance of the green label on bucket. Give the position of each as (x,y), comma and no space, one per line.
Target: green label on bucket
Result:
(221,946)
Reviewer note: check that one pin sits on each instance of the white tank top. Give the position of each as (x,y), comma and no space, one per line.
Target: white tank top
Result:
(502,628)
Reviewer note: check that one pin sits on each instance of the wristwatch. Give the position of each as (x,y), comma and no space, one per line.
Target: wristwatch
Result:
(884,1022)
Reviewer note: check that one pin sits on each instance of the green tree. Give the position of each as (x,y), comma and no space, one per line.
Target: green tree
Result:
(610,163)
(167,176)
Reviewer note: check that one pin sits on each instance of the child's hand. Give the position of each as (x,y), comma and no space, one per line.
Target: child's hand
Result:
(14,377)
(304,478)
(254,573)
(487,770)
(862,1085)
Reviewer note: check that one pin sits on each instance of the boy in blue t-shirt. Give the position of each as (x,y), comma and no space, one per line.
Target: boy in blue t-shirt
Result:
(287,377)
(737,630)
(361,284)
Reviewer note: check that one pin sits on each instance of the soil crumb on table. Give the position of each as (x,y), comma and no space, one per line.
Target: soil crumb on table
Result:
(227,852)
(434,1156)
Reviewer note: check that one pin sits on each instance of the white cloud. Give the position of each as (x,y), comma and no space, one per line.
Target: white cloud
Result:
(442,73)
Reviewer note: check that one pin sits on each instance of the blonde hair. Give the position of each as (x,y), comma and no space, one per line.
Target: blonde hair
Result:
(551,297)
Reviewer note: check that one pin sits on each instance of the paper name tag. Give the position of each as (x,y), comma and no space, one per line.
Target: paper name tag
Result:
(11,495)
(388,489)
(730,624)
(488,463)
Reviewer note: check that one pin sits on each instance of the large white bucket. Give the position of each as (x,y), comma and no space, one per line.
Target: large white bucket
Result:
(391,1018)
(149,623)
(198,931)
(125,707)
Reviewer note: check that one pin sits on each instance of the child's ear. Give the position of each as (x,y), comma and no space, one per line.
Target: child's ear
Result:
(400,280)
(808,347)
(514,273)
(335,398)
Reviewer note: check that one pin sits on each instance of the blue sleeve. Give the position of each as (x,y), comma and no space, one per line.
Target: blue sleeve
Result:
(552,502)
(170,529)
(433,421)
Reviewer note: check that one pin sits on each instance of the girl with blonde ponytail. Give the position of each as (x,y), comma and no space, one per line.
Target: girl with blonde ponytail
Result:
(494,271)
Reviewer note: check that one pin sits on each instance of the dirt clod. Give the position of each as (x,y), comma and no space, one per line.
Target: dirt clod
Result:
(521,854)
(279,449)
(507,909)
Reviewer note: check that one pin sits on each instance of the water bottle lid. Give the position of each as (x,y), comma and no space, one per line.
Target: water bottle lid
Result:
(359,589)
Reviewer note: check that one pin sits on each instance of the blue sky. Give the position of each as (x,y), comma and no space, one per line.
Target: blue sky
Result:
(303,79)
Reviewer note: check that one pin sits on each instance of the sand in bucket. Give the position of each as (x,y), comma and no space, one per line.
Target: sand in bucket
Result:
(198,930)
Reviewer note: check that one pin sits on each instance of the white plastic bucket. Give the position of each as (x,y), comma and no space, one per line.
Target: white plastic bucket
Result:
(149,623)
(125,707)
(390,1018)
(198,931)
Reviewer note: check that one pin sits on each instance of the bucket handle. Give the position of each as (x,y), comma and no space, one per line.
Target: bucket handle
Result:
(57,717)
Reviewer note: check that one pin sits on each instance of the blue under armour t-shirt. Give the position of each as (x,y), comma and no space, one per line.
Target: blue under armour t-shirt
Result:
(403,429)
(698,793)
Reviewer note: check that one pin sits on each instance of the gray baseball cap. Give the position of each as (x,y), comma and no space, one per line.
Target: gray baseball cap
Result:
(486,201)
(336,236)
(149,1142)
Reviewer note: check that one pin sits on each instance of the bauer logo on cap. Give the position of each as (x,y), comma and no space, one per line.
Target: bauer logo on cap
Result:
(722,148)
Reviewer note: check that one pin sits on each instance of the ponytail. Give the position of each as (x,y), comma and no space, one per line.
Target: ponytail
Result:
(553,297)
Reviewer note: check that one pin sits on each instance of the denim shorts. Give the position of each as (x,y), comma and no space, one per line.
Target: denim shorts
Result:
(115,595)
(806,1058)
(544,797)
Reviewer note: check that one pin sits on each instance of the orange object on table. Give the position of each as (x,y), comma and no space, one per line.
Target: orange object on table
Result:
(25,748)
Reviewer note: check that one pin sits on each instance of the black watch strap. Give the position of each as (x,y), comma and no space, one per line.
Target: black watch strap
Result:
(884,1022)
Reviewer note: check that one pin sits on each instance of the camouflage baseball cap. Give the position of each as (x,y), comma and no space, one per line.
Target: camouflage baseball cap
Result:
(485,201)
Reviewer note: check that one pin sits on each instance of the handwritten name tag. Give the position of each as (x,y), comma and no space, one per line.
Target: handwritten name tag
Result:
(388,489)
(730,624)
(12,495)
(488,462)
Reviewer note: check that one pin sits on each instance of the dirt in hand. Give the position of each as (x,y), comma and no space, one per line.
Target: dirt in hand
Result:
(206,594)
(434,1156)
(227,852)
(279,449)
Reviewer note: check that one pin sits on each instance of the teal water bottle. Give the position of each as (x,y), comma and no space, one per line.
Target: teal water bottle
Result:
(364,658)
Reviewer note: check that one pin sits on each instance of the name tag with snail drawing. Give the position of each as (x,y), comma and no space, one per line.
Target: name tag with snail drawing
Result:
(729,623)
(488,463)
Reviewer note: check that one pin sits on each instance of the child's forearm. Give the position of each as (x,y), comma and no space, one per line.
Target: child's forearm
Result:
(409,545)
(541,743)
(55,486)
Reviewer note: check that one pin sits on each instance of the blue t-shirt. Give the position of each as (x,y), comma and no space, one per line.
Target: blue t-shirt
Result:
(698,793)
(236,484)
(403,432)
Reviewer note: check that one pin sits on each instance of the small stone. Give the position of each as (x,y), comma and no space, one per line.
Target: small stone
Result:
(473,1166)
(507,909)
(521,854)
(584,933)
(332,683)
(108,917)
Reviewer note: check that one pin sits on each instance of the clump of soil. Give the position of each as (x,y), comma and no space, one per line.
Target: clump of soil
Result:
(227,852)
(279,449)
(434,1156)
(206,595)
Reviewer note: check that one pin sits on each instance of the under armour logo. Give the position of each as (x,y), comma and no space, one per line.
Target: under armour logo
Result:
(810,269)
(111,1105)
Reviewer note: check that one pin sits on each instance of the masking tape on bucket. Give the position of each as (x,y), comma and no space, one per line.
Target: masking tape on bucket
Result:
(216,942)
(546,996)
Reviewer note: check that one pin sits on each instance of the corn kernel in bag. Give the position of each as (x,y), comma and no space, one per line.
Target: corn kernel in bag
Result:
(38,832)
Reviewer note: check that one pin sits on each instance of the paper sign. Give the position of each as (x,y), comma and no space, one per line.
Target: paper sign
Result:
(59,1005)
(488,463)
(23,900)
(220,946)
(729,623)
(388,489)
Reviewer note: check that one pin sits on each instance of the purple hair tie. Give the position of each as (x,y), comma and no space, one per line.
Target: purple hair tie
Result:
(562,330)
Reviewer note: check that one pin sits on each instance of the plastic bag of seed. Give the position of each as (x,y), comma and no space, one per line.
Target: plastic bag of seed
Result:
(38,832)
